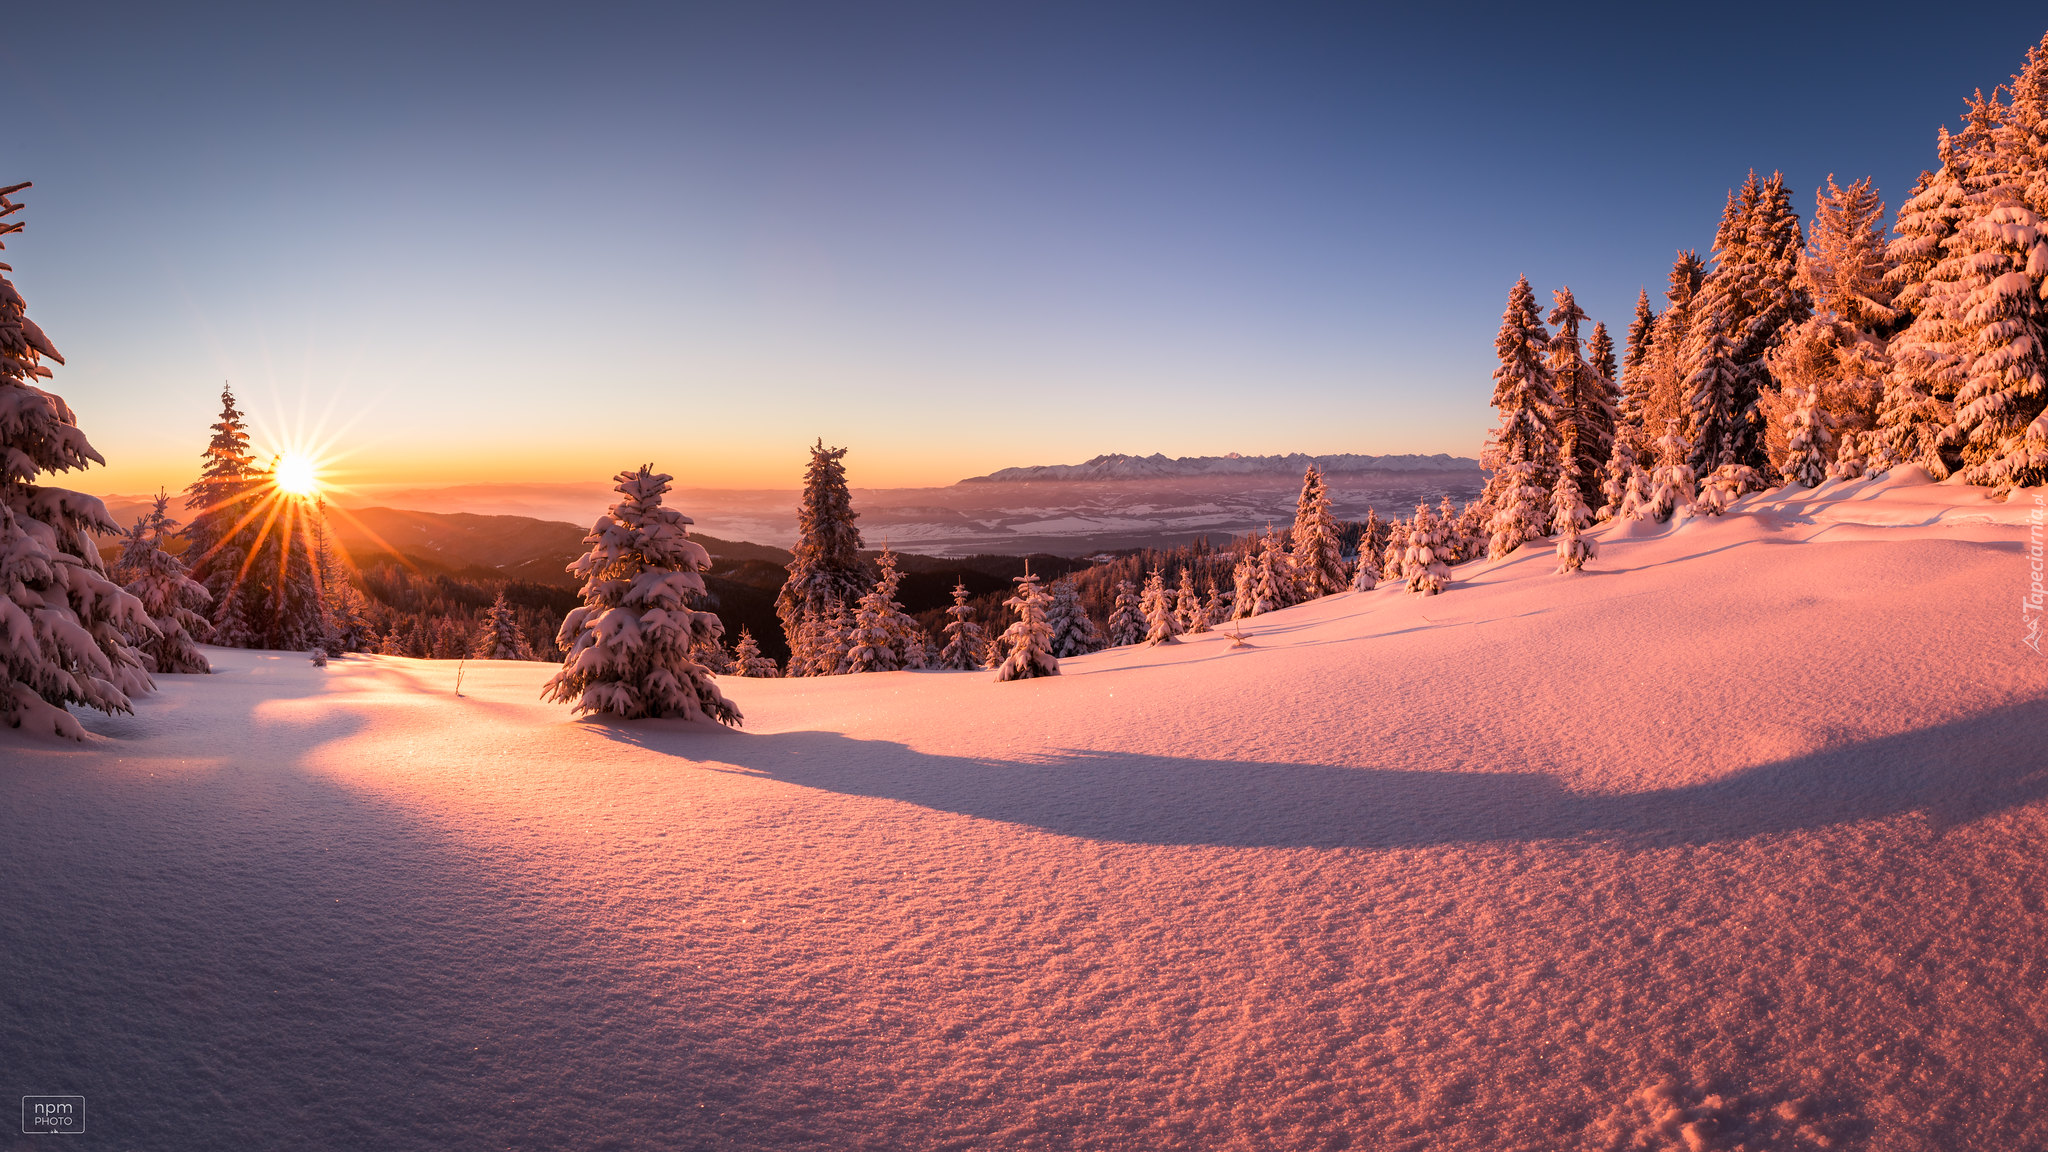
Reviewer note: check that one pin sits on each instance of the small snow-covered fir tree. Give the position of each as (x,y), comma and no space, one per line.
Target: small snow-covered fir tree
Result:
(1365,575)
(1638,495)
(1614,476)
(1673,486)
(1268,582)
(917,648)
(1073,633)
(1453,550)
(1187,603)
(1395,555)
(627,647)
(1127,619)
(1161,624)
(1569,514)
(168,595)
(1809,440)
(1318,554)
(1029,640)
(832,650)
(710,652)
(1188,606)
(1725,485)
(880,638)
(747,655)
(1426,570)
(1244,580)
(64,625)
(1851,457)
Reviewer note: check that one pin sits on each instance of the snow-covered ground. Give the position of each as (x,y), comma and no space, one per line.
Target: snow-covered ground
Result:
(1733,840)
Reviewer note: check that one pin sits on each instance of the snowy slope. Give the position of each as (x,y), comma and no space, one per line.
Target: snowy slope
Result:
(1731,841)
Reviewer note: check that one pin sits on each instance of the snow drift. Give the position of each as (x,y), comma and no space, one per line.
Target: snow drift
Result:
(1731,840)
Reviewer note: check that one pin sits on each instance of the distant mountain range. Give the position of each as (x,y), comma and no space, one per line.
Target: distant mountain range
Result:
(1117,466)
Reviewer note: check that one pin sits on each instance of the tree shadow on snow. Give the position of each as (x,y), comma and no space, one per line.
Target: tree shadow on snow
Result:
(1952,774)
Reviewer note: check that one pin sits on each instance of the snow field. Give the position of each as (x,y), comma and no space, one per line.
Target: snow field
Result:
(1730,840)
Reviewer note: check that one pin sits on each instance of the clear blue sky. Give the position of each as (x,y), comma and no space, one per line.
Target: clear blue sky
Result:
(536,243)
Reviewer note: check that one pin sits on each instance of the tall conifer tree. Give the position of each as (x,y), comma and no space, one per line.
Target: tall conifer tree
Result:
(64,625)
(826,571)
(1523,452)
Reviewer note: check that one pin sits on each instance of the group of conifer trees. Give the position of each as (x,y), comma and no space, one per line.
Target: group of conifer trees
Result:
(1799,358)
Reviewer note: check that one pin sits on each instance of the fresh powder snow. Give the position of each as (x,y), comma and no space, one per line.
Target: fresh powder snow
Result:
(1731,839)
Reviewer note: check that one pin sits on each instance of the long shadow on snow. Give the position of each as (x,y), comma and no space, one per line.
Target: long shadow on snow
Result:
(1952,773)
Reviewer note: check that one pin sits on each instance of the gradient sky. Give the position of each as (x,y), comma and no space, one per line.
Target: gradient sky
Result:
(536,243)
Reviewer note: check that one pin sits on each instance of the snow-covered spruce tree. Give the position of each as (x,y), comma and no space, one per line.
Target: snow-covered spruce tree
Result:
(868,647)
(344,613)
(1635,358)
(832,648)
(1318,554)
(881,635)
(168,595)
(1936,260)
(1029,640)
(1454,550)
(1127,619)
(291,615)
(747,655)
(1842,348)
(1852,459)
(1268,581)
(2000,428)
(1365,575)
(1725,485)
(1394,556)
(966,646)
(710,652)
(1744,308)
(1427,573)
(1569,515)
(628,646)
(826,572)
(917,649)
(1187,602)
(500,637)
(1522,453)
(1215,608)
(1809,440)
(1614,477)
(1581,403)
(1664,371)
(1284,589)
(1638,497)
(1716,418)
(218,540)
(1673,486)
(1244,581)
(64,626)
(1073,633)
(1161,625)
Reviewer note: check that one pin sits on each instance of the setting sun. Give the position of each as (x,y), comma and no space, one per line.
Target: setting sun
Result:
(296,475)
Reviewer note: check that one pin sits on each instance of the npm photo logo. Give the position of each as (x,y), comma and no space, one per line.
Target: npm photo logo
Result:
(41,1115)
